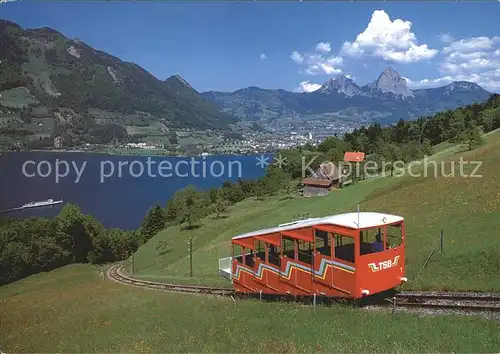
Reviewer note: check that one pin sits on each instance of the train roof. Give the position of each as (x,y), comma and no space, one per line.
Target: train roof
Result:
(349,220)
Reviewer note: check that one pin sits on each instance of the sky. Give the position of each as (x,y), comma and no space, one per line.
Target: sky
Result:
(226,46)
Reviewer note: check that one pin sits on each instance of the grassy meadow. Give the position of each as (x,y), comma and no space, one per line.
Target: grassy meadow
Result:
(73,310)
(466,209)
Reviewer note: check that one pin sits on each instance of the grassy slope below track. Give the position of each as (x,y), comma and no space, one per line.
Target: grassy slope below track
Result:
(72,309)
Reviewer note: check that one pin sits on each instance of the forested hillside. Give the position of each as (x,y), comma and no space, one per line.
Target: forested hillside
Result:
(38,245)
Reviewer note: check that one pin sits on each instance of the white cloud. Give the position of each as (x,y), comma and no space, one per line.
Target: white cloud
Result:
(263,57)
(390,40)
(323,47)
(475,59)
(471,54)
(317,63)
(472,44)
(307,86)
(446,38)
(297,57)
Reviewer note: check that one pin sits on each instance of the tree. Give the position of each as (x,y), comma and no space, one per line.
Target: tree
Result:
(153,223)
(236,192)
(260,189)
(275,180)
(122,243)
(190,206)
(220,206)
(291,188)
(387,154)
(72,234)
(332,143)
(417,129)
(100,251)
(46,253)
(471,136)
(457,130)
(488,119)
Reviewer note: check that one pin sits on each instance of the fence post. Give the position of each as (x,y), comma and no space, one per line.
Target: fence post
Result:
(191,257)
(442,241)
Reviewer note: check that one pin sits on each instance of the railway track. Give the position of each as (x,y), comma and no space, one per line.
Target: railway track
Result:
(115,274)
(449,301)
(485,302)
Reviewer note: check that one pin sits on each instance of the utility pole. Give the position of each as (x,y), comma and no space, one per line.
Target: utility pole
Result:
(190,257)
(441,241)
(133,265)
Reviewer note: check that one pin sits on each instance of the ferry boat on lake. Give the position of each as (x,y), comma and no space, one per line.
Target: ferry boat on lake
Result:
(41,203)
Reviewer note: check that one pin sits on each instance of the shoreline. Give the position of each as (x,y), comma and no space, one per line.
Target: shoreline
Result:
(135,153)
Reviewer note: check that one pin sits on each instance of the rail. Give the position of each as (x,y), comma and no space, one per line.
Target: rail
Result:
(485,302)
(115,274)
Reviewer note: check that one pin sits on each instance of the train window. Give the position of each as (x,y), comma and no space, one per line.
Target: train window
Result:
(260,250)
(238,251)
(323,244)
(370,242)
(394,235)
(288,247)
(344,248)
(305,251)
(274,253)
(249,257)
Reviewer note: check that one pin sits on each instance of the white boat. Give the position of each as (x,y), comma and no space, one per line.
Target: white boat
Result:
(42,203)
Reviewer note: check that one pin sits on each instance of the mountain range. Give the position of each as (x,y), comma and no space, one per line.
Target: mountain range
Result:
(55,86)
(46,69)
(385,100)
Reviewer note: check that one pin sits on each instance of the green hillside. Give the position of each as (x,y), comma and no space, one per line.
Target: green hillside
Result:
(465,209)
(89,96)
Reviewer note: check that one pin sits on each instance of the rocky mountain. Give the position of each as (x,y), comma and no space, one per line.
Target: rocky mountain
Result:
(343,85)
(384,101)
(42,70)
(389,85)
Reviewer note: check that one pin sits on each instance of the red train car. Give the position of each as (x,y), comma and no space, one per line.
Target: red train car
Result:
(350,255)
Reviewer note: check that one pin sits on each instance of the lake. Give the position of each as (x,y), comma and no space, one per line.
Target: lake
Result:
(118,190)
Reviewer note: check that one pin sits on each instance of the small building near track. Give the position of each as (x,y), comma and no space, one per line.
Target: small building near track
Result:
(322,181)
(354,156)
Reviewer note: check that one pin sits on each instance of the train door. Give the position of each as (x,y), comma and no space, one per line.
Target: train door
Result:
(343,263)
(288,258)
(260,275)
(323,266)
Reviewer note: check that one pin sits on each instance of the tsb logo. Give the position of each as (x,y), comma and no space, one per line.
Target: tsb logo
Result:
(375,267)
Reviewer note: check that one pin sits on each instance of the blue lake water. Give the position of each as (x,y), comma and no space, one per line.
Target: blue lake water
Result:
(117,190)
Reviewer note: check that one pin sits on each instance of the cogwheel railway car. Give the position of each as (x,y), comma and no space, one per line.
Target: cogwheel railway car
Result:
(350,255)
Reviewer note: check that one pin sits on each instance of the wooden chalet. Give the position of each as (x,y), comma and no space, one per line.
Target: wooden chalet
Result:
(322,181)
